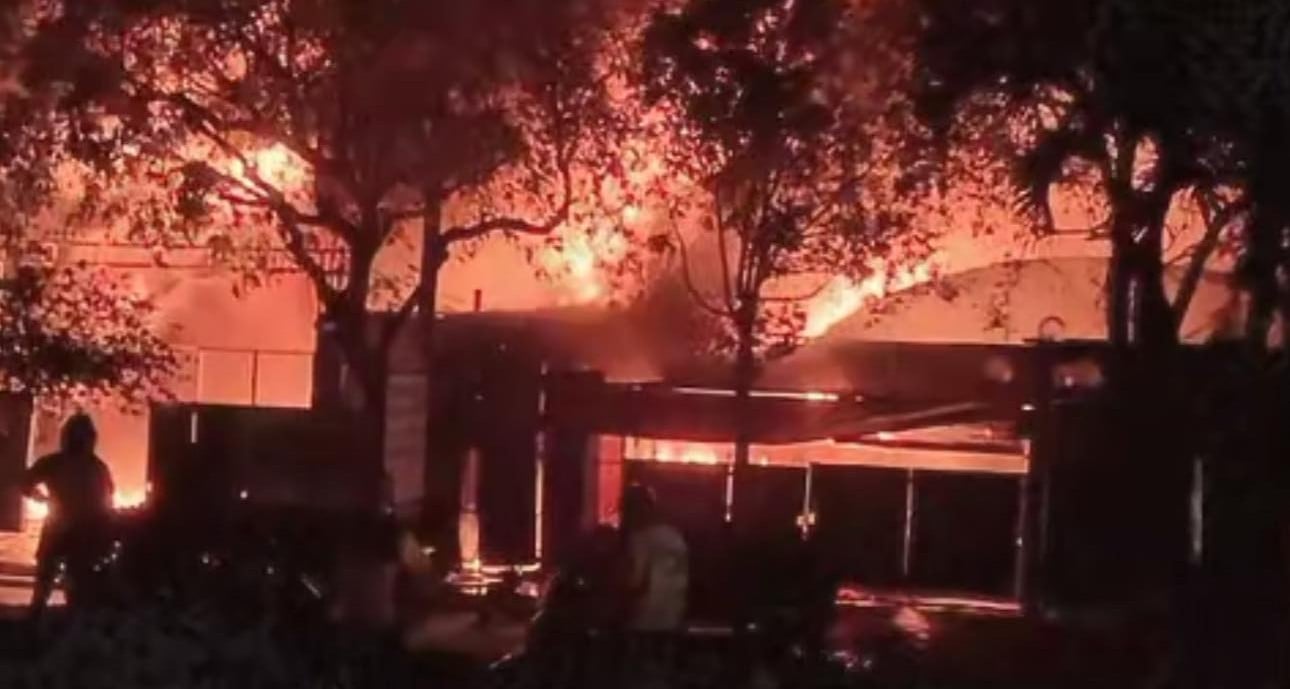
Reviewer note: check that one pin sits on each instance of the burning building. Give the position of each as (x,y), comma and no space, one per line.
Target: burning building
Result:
(904,445)
(907,450)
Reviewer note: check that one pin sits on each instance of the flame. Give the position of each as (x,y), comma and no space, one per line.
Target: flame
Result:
(38,510)
(677,452)
(581,261)
(129,499)
(843,297)
(275,164)
(685,453)
(35,510)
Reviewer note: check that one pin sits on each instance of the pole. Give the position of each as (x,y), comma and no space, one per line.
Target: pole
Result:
(907,543)
(468,521)
(539,461)
(255,378)
(1021,542)
(807,519)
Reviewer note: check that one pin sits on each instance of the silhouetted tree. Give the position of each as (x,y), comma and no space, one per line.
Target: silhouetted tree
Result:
(74,335)
(318,127)
(774,161)
(1161,98)
(1133,91)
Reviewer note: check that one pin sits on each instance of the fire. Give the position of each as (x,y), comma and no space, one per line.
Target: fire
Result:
(129,499)
(275,164)
(676,451)
(38,510)
(35,510)
(578,260)
(679,452)
(581,262)
(686,453)
(843,297)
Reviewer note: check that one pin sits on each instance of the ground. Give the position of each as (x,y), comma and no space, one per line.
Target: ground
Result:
(961,651)
(957,646)
(17,562)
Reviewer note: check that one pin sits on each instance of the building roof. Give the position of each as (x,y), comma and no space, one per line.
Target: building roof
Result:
(1007,302)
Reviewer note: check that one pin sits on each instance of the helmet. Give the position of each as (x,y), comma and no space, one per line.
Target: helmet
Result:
(79,434)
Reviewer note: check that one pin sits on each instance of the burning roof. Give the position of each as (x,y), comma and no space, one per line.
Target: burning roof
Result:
(1008,302)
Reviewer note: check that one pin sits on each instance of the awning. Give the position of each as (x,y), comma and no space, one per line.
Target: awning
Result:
(831,453)
(666,412)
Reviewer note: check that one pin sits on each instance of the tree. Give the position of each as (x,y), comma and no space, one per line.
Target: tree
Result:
(1162,99)
(777,161)
(71,335)
(321,127)
(1249,84)
(1126,91)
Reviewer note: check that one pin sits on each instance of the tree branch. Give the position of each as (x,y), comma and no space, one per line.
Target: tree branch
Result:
(688,278)
(805,296)
(484,227)
(723,250)
(398,216)
(511,224)
(1216,220)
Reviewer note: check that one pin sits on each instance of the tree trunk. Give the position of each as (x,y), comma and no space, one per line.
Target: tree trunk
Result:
(1119,307)
(373,420)
(441,473)
(1139,313)
(745,374)
(1265,252)
(1259,275)
(368,362)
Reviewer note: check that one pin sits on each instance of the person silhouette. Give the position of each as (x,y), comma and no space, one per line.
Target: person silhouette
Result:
(78,487)
(658,579)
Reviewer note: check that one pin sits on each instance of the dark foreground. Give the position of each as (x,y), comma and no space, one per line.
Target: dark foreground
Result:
(893,647)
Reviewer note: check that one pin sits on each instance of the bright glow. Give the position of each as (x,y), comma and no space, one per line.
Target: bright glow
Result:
(38,510)
(274,164)
(35,510)
(589,260)
(842,297)
(915,625)
(813,396)
(524,568)
(580,263)
(129,499)
(685,453)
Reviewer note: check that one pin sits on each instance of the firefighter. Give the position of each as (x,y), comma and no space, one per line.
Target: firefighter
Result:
(78,488)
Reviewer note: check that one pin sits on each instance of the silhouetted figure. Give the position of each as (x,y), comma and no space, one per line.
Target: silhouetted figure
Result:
(657,588)
(78,488)
(659,568)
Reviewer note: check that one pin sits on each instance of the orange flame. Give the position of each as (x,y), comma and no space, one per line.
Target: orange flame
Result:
(129,499)
(275,164)
(35,510)
(38,510)
(580,263)
(686,453)
(842,297)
